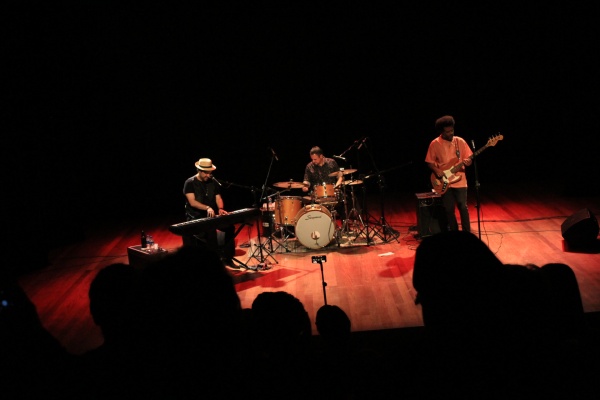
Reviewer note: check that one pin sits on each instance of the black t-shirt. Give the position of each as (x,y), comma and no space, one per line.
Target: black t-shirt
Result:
(204,192)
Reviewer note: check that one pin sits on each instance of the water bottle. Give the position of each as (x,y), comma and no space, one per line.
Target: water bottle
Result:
(150,242)
(144,240)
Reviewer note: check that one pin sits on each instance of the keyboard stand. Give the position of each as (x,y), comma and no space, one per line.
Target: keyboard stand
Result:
(239,229)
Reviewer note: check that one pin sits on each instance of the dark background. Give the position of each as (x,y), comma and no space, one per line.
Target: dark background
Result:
(110,104)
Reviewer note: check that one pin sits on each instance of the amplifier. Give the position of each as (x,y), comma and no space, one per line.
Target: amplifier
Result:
(431,217)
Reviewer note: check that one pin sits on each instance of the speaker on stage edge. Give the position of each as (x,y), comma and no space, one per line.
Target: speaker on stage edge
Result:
(580,229)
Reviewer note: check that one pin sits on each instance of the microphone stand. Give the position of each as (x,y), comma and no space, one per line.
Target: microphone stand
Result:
(366,219)
(354,212)
(261,248)
(385,228)
(478,204)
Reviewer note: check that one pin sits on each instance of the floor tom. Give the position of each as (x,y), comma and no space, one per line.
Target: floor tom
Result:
(286,208)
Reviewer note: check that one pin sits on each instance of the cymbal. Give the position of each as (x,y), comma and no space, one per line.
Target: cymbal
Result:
(344,172)
(352,182)
(289,185)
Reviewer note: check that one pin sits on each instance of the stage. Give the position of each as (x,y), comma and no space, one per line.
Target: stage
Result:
(370,279)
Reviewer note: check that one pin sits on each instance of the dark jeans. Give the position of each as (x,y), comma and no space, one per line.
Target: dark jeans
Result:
(210,239)
(457,197)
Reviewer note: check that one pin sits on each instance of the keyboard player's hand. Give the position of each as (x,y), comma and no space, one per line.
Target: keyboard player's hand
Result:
(223,212)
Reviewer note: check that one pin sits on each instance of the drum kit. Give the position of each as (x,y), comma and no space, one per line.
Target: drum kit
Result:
(311,219)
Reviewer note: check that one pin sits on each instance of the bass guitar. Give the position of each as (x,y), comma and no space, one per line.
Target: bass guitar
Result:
(449,175)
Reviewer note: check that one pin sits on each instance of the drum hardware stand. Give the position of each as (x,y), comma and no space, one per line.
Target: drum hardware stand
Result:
(365,221)
(281,227)
(259,252)
(284,239)
(353,217)
(261,248)
(337,235)
(386,233)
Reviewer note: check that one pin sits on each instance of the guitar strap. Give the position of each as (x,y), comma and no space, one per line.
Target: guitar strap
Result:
(457,151)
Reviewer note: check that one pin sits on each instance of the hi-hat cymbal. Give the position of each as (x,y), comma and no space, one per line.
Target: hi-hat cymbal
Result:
(344,172)
(289,185)
(352,182)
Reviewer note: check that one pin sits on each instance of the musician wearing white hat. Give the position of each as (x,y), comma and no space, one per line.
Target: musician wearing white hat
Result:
(203,199)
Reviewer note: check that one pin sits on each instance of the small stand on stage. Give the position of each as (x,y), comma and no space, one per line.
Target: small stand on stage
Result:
(353,225)
(384,231)
(319,260)
(261,253)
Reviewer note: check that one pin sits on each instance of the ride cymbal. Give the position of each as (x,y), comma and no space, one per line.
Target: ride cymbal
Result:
(289,185)
(344,172)
(352,182)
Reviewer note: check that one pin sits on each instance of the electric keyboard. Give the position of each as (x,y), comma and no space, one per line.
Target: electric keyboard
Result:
(196,226)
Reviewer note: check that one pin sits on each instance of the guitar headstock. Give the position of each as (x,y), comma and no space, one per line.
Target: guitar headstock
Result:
(494,139)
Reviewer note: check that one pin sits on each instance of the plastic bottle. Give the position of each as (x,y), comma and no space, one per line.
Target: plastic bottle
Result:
(150,243)
(271,204)
(144,240)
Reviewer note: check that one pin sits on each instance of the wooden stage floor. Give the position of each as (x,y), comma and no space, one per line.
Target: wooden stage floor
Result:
(371,281)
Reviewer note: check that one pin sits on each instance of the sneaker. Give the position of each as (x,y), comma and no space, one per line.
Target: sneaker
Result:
(230,264)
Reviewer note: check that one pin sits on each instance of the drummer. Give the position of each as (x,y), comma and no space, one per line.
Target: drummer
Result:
(317,172)
(323,170)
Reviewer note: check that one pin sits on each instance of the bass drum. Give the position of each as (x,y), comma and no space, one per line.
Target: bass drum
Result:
(315,228)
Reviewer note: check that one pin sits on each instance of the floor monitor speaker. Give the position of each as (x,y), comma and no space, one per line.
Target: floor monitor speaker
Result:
(580,229)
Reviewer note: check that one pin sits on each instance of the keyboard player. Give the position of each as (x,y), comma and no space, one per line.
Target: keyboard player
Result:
(203,199)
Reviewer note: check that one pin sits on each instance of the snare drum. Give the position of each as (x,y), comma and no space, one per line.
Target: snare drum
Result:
(315,228)
(286,209)
(307,200)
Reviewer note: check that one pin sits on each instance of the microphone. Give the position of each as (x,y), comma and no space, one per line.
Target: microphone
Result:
(340,158)
(473,144)
(215,179)
(274,154)
(362,141)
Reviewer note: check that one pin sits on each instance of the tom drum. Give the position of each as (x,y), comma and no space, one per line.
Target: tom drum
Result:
(325,193)
(315,228)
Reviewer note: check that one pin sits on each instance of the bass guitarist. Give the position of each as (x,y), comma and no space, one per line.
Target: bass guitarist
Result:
(447,157)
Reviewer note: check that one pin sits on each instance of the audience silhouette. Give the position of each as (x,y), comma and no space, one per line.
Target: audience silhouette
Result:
(281,332)
(33,363)
(111,294)
(334,327)
(176,329)
(493,330)
(348,369)
(186,325)
(180,335)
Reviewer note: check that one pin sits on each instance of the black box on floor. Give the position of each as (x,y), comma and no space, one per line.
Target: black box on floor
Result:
(139,258)
(431,218)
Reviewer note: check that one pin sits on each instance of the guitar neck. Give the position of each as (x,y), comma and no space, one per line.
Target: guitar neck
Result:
(475,154)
